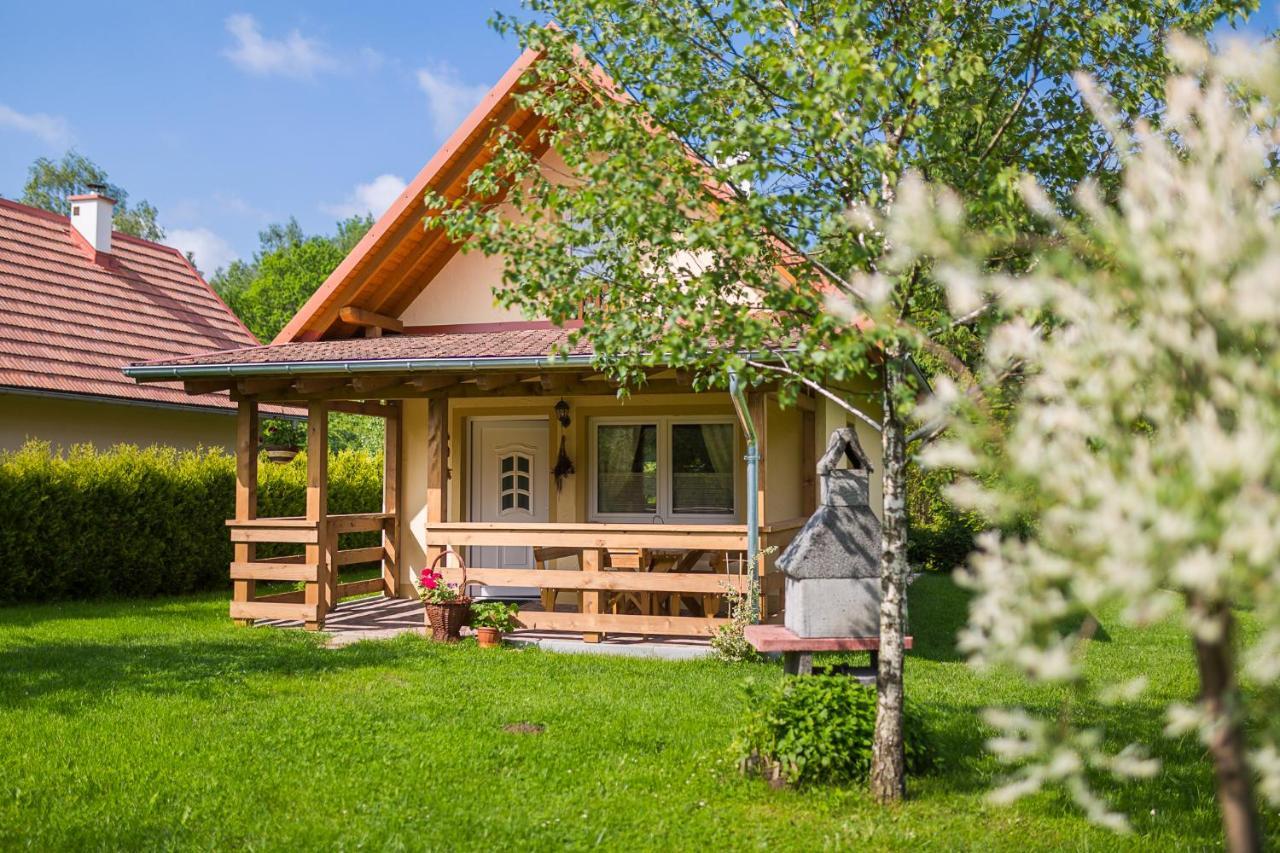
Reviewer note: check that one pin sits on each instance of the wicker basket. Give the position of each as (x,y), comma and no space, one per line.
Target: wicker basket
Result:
(446,620)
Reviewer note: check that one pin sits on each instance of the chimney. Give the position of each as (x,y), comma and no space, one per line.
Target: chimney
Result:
(91,217)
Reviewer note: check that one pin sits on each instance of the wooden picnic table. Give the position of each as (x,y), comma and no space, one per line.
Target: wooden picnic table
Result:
(657,560)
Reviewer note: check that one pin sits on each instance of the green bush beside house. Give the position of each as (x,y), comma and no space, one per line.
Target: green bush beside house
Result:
(135,521)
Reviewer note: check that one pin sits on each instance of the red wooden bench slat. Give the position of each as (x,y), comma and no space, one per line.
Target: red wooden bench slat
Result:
(779,638)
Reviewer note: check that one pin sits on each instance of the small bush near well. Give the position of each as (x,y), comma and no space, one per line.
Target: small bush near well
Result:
(818,729)
(729,643)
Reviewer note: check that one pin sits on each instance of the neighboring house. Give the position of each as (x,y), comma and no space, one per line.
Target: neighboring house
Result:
(477,413)
(78,302)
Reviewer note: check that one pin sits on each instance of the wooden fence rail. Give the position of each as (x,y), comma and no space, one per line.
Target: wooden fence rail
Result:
(599,584)
(322,589)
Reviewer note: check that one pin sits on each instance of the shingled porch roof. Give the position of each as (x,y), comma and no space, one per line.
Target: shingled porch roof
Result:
(433,350)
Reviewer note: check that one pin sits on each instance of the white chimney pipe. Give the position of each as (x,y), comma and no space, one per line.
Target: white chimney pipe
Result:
(91,217)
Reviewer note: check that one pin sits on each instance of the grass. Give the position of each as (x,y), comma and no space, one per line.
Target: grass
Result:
(160,724)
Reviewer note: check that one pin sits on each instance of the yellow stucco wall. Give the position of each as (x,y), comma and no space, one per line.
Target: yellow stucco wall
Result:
(64,422)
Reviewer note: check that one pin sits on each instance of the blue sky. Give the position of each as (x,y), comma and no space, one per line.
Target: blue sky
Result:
(229,117)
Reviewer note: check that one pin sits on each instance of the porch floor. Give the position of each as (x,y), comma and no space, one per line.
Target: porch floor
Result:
(381,618)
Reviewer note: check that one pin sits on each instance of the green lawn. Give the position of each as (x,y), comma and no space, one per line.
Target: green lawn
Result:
(160,724)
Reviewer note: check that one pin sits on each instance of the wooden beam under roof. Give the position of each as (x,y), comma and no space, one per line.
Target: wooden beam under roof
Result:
(370,319)
(433,382)
(310,385)
(207,386)
(253,387)
(494,381)
(371,383)
(367,407)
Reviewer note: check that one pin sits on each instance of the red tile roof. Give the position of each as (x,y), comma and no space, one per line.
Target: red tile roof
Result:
(463,346)
(68,325)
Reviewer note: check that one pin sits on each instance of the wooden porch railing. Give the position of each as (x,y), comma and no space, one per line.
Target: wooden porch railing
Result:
(323,588)
(594,581)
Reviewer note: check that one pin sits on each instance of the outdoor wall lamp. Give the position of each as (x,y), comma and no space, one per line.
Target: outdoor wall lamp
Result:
(562,413)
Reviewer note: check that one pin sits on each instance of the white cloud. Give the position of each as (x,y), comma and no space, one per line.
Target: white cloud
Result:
(52,129)
(293,56)
(448,99)
(210,251)
(374,197)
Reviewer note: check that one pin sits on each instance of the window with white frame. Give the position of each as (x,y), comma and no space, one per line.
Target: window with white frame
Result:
(664,468)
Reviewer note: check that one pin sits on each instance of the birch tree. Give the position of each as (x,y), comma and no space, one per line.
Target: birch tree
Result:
(1143,456)
(728,141)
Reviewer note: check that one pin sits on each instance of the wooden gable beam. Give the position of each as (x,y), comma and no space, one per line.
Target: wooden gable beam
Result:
(451,178)
(427,265)
(369,319)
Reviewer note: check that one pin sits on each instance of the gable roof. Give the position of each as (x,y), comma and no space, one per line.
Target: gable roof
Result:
(387,268)
(398,257)
(69,323)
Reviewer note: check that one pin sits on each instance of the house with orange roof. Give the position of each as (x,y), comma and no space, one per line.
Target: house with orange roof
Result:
(78,301)
(511,463)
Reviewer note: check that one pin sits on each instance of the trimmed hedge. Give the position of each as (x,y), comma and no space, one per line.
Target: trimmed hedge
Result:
(138,522)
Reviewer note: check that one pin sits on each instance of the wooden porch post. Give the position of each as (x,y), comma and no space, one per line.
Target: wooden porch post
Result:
(317,556)
(246,494)
(437,466)
(592,602)
(391,501)
(808,457)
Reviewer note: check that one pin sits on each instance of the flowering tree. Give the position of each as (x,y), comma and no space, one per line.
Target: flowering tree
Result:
(727,141)
(1143,454)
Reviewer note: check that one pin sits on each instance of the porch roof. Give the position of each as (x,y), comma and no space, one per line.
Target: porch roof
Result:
(468,350)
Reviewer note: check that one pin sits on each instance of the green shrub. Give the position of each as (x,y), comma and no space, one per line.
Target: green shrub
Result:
(818,729)
(136,522)
(940,537)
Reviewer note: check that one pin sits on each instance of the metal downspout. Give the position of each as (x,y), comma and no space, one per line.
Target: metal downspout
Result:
(753,489)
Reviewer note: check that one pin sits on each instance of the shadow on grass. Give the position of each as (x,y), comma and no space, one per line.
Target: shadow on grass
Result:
(68,676)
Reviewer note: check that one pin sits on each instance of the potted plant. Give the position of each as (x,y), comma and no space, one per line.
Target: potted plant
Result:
(491,619)
(282,439)
(446,606)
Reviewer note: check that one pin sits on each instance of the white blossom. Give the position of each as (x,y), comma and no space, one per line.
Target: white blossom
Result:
(1144,449)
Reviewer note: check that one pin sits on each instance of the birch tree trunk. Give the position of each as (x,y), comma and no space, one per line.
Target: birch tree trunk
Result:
(888,763)
(1221,698)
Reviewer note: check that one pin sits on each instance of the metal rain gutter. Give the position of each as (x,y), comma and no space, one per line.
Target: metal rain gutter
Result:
(159,372)
(753,484)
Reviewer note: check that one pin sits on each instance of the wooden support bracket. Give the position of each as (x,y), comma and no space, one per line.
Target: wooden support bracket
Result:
(362,317)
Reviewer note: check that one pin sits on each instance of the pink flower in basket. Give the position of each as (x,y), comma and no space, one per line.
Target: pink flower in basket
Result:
(435,590)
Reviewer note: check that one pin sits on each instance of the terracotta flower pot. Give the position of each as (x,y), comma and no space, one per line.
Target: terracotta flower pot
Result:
(279,453)
(488,638)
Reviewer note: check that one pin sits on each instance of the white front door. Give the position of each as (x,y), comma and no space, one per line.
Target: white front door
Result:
(509,473)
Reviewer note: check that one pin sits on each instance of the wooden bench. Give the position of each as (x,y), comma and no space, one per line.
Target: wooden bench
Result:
(797,652)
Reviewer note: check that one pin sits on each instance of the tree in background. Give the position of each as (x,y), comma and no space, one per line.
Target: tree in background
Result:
(1145,447)
(265,292)
(287,268)
(50,183)
(735,139)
